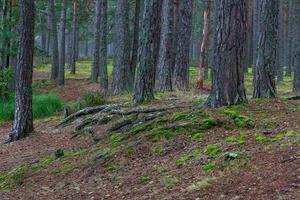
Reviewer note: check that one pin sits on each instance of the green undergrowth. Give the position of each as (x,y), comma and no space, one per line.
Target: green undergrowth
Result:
(191,156)
(42,106)
(240,121)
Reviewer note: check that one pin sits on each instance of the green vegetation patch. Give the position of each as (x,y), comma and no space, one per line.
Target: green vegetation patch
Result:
(169,181)
(191,156)
(241,140)
(241,121)
(209,166)
(42,106)
(213,150)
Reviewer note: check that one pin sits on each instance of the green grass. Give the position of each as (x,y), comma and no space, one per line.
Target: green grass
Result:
(42,106)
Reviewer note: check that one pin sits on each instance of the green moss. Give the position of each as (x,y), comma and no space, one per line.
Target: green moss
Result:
(291,133)
(231,113)
(144,179)
(114,138)
(213,150)
(294,109)
(207,124)
(159,151)
(240,140)
(197,136)
(262,139)
(142,128)
(180,116)
(194,155)
(241,121)
(209,166)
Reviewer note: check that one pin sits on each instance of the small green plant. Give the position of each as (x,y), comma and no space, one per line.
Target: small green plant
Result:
(159,151)
(209,166)
(197,136)
(194,155)
(213,150)
(180,116)
(144,179)
(240,140)
(114,138)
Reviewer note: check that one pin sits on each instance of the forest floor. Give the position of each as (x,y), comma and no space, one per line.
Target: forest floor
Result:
(249,151)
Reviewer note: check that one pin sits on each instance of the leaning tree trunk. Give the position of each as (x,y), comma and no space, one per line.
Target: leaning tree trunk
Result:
(135,42)
(54,42)
(23,121)
(103,47)
(181,69)
(121,71)
(265,68)
(204,46)
(72,61)
(145,75)
(165,61)
(297,47)
(95,67)
(229,52)
(61,72)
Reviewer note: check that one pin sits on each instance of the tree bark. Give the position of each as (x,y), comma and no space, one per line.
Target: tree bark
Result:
(72,62)
(95,69)
(103,48)
(290,37)
(135,42)
(204,46)
(61,73)
(54,42)
(265,69)
(281,40)
(23,120)
(145,75)
(121,71)
(166,49)
(297,47)
(181,69)
(229,52)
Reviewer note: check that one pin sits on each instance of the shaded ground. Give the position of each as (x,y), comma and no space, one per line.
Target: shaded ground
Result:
(226,161)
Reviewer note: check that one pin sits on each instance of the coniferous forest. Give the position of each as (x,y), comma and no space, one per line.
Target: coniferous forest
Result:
(150,99)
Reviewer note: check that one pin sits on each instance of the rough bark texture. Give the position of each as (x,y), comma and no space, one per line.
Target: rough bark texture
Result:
(23,121)
(181,69)
(290,37)
(95,67)
(103,48)
(297,48)
(72,61)
(255,30)
(165,61)
(61,72)
(230,41)
(280,43)
(54,42)
(204,45)
(146,68)
(121,71)
(265,68)
(135,42)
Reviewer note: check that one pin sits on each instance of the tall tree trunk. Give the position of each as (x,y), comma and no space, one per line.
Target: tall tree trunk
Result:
(145,75)
(121,71)
(204,45)
(255,30)
(165,62)
(61,73)
(297,47)
(281,40)
(265,69)
(103,47)
(96,61)
(53,31)
(72,62)
(135,42)
(249,51)
(44,31)
(229,51)
(23,121)
(181,69)
(290,37)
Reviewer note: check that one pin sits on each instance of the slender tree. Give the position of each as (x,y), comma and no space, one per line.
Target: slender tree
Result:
(181,69)
(145,75)
(297,47)
(165,61)
(54,42)
(135,42)
(61,72)
(95,67)
(23,120)
(103,47)
(121,71)
(72,61)
(290,37)
(280,42)
(265,68)
(229,51)
(204,45)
